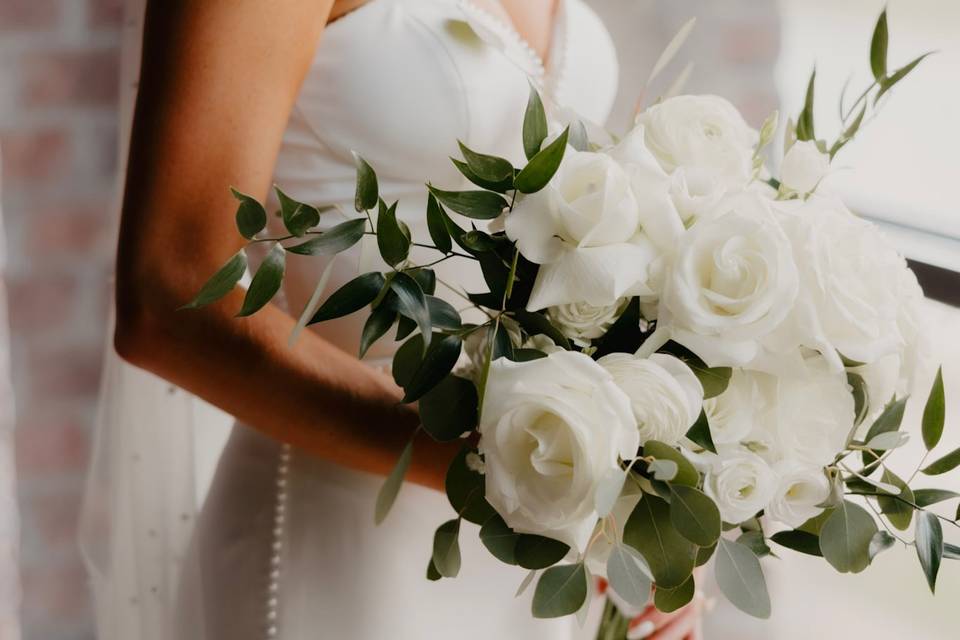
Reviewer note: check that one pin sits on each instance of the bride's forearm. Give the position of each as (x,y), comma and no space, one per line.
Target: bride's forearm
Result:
(313,395)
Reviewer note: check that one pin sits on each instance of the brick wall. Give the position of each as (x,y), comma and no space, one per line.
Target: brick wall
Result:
(58,90)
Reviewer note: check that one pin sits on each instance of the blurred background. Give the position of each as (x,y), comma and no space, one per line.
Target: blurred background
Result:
(58,134)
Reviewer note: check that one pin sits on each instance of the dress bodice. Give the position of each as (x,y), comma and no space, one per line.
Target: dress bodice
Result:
(400,81)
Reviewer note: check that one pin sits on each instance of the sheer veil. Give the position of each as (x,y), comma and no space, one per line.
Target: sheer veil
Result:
(143,489)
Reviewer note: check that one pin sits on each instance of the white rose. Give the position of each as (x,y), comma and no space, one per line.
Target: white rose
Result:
(704,132)
(731,283)
(665,394)
(803,167)
(583,229)
(800,489)
(736,412)
(813,414)
(551,430)
(582,322)
(741,484)
(857,296)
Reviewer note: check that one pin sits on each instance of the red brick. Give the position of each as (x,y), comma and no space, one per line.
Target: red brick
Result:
(71,78)
(56,445)
(70,228)
(18,15)
(34,156)
(105,13)
(41,302)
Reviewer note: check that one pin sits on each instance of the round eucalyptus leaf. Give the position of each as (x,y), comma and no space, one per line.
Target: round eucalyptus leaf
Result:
(466,490)
(629,575)
(694,515)
(686,473)
(499,539)
(845,537)
(539,552)
(741,580)
(802,541)
(649,530)
(664,470)
(446,549)
(560,591)
(669,600)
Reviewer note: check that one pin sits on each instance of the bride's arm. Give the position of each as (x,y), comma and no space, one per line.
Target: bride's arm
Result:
(218,81)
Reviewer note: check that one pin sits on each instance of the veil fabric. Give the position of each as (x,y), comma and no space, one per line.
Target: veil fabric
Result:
(143,491)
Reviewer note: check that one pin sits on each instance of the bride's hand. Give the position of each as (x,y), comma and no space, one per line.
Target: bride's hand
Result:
(682,624)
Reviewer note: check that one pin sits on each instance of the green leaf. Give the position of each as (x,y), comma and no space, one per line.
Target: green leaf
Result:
(663,470)
(366,195)
(845,538)
(704,554)
(465,490)
(438,361)
(802,541)
(898,513)
(222,282)
(412,303)
(741,580)
(861,404)
(443,315)
(539,552)
(880,542)
(538,324)
(426,278)
(351,297)
(393,243)
(446,549)
(700,433)
(251,216)
(898,75)
(649,530)
(560,591)
(449,409)
(805,128)
(629,575)
(889,420)
(499,539)
(378,323)
(436,226)
(534,124)
(298,217)
(480,205)
(934,412)
(929,543)
(687,474)
(926,497)
(713,379)
(541,167)
(756,542)
(391,486)
(336,239)
(266,282)
(432,574)
(670,600)
(694,515)
(947,463)
(878,48)
(406,360)
(489,168)
(500,187)
(951,551)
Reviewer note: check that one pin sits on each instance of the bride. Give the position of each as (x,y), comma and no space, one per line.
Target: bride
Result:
(253,93)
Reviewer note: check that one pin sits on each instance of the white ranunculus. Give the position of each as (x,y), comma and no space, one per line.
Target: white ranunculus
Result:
(803,167)
(800,488)
(731,283)
(584,230)
(695,192)
(814,414)
(736,412)
(582,322)
(665,394)
(741,483)
(857,296)
(702,132)
(551,430)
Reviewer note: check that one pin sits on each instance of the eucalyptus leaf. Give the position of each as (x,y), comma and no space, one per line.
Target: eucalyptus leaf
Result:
(664,470)
(391,486)
(266,281)
(480,205)
(889,420)
(878,48)
(669,555)
(436,226)
(465,490)
(527,581)
(489,168)
(499,539)
(629,575)
(934,412)
(251,216)
(741,580)
(845,537)
(704,554)
(412,303)
(756,542)
(446,549)
(222,282)
(929,543)
(539,552)
(686,473)
(367,190)
(432,574)
(947,463)
(352,296)
(449,409)
(336,239)
(898,512)
(802,541)
(880,542)
(694,515)
(541,167)
(560,591)
(670,600)
(534,124)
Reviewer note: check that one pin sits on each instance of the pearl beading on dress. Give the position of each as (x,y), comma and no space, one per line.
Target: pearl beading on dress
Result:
(276,547)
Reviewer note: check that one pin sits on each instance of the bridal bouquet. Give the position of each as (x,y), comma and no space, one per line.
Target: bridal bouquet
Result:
(678,356)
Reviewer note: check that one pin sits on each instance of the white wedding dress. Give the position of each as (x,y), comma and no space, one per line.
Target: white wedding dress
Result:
(285,544)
